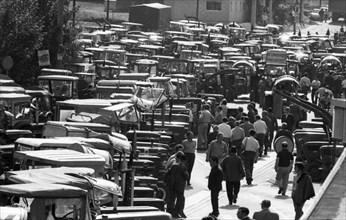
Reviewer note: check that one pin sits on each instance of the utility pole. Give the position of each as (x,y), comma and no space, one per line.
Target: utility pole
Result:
(301,11)
(74,13)
(60,22)
(107,14)
(197,9)
(253,12)
(270,20)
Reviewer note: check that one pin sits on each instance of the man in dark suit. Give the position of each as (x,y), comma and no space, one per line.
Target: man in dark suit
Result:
(289,119)
(243,213)
(233,170)
(215,184)
(265,213)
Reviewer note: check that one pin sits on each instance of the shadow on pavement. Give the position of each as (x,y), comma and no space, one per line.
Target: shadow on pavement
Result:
(282,197)
(229,207)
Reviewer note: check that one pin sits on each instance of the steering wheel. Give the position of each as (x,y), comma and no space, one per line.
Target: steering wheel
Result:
(67,214)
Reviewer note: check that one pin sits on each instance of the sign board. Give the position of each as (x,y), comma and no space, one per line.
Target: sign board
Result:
(43,58)
(276,57)
(7,62)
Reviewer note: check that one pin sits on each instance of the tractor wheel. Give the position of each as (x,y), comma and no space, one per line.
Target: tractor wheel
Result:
(315,170)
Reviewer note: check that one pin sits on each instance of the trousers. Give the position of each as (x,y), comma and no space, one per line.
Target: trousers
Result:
(202,138)
(233,188)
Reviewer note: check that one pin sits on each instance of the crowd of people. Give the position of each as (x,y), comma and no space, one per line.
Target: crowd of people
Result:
(233,145)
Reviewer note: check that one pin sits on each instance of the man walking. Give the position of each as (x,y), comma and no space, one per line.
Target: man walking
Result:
(250,155)
(265,213)
(261,130)
(288,118)
(283,167)
(274,125)
(247,126)
(217,148)
(270,129)
(175,180)
(189,150)
(215,184)
(205,119)
(225,129)
(233,171)
(237,136)
(302,189)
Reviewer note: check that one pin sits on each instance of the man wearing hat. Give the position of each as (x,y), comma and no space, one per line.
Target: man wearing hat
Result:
(283,167)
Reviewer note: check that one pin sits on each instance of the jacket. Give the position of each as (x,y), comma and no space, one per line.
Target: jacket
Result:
(304,189)
(265,214)
(215,178)
(176,177)
(232,168)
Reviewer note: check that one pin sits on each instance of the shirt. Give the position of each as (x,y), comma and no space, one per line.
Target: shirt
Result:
(189,146)
(285,157)
(225,129)
(260,127)
(237,133)
(247,126)
(218,149)
(251,144)
(206,117)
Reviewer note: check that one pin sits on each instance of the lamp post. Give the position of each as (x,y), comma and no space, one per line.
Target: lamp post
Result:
(197,8)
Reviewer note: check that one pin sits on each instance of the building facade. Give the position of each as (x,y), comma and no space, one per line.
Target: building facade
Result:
(211,11)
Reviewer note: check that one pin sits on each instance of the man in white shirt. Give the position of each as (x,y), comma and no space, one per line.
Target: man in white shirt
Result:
(225,129)
(261,130)
(250,155)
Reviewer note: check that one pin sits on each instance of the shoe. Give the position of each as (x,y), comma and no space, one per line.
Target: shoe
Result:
(280,190)
(189,184)
(182,215)
(249,181)
(230,203)
(234,200)
(175,216)
(213,214)
(283,194)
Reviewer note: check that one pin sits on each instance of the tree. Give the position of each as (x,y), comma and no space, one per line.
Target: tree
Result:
(29,26)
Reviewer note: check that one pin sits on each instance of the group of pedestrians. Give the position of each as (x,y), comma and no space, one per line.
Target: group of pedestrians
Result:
(232,149)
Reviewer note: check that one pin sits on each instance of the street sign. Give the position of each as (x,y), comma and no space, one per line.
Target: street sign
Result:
(43,58)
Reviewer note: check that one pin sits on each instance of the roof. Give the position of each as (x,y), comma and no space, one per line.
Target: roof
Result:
(14,95)
(63,158)
(58,77)
(65,176)
(37,190)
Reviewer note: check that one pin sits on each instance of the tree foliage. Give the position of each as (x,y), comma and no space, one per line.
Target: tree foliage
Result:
(29,26)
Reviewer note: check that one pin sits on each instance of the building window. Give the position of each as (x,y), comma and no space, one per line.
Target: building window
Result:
(213,6)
